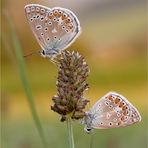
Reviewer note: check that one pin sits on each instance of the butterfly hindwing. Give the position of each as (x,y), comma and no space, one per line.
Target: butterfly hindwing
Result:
(112,111)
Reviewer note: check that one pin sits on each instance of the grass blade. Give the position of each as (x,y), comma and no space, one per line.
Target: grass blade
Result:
(23,76)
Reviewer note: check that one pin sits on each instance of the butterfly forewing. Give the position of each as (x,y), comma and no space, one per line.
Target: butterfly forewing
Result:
(55,29)
(112,111)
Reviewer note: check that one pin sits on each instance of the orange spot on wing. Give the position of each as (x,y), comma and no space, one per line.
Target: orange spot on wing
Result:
(117,100)
(122,118)
(69,26)
(125,112)
(110,98)
(56,13)
(121,105)
(63,16)
(51,16)
(67,21)
(124,108)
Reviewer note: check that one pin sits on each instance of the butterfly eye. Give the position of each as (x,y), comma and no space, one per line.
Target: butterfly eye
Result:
(88,129)
(43,52)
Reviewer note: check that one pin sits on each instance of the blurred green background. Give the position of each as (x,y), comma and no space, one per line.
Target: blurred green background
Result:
(113,42)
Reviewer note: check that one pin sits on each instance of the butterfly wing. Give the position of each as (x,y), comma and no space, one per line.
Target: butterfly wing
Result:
(71,27)
(112,111)
(55,28)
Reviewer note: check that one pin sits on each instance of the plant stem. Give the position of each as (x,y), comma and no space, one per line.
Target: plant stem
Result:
(23,75)
(70,133)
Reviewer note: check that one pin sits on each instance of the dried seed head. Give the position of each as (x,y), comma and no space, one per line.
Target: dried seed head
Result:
(71,84)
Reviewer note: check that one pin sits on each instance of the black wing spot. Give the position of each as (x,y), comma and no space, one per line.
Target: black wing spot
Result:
(38,27)
(42,18)
(42,10)
(37,16)
(50,23)
(46,29)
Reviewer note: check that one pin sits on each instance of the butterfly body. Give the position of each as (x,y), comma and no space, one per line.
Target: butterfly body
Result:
(54,28)
(111,111)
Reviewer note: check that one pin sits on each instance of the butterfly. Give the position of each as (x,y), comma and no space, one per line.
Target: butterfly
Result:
(111,111)
(54,28)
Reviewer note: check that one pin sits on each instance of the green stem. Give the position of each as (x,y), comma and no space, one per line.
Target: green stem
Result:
(23,75)
(70,133)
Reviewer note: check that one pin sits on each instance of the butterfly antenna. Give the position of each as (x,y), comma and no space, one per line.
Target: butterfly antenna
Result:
(32,53)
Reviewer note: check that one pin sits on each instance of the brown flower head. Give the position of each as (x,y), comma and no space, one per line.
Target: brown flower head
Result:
(71,84)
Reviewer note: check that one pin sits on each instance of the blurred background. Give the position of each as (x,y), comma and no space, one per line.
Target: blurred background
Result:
(113,42)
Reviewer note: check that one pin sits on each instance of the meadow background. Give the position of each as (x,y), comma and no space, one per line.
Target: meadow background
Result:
(113,42)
